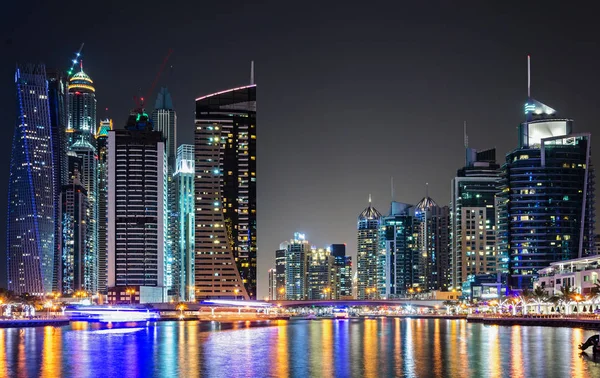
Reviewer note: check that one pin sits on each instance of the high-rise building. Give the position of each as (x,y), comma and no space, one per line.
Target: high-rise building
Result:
(102,143)
(433,243)
(225,150)
(295,267)
(137,190)
(82,108)
(473,213)
(76,272)
(165,121)
(57,92)
(320,274)
(183,256)
(368,250)
(547,201)
(31,188)
(343,272)
(272,284)
(280,273)
(89,179)
(398,253)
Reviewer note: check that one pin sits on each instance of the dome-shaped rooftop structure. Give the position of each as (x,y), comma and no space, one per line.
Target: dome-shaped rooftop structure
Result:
(426,203)
(370,213)
(80,81)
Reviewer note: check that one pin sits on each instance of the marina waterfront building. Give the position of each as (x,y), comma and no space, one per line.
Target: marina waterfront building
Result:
(30,244)
(102,144)
(368,251)
(547,199)
(81,108)
(225,186)
(295,267)
(280,273)
(137,207)
(473,216)
(343,272)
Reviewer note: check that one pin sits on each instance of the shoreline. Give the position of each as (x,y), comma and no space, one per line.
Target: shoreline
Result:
(538,322)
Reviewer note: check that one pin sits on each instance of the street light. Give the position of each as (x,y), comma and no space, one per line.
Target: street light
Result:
(236,291)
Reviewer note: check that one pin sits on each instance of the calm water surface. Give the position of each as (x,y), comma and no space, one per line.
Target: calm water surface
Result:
(319,348)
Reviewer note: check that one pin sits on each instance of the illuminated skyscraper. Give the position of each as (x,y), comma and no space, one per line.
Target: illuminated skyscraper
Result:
(342,288)
(82,108)
(296,253)
(280,274)
(547,199)
(183,254)
(473,218)
(368,250)
(225,145)
(137,191)
(76,272)
(31,188)
(102,143)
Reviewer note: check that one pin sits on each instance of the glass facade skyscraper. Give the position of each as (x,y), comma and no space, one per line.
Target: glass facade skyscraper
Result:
(368,252)
(82,108)
(102,143)
(473,218)
(547,199)
(183,257)
(31,188)
(225,148)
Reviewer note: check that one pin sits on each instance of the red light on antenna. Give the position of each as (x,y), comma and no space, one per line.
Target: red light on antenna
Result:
(141,98)
(106,109)
(77,93)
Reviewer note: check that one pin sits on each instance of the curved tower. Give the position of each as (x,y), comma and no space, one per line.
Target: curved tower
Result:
(31,188)
(225,187)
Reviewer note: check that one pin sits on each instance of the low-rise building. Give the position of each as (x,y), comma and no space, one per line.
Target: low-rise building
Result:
(581,275)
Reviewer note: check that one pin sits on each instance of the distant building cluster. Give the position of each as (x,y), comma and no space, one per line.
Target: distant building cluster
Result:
(125,211)
(505,226)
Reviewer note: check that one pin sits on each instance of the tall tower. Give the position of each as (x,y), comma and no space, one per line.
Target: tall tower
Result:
(433,245)
(57,98)
(368,249)
(183,252)
(31,188)
(137,186)
(102,143)
(547,199)
(82,108)
(296,253)
(164,119)
(473,218)
(225,145)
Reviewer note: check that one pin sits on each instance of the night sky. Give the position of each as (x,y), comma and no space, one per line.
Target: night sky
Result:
(348,95)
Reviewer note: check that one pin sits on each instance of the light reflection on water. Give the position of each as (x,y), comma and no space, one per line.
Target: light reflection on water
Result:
(318,348)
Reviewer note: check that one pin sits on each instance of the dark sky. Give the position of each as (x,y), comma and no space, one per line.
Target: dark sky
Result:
(348,95)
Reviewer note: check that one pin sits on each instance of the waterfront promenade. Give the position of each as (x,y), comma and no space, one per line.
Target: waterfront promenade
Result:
(588,321)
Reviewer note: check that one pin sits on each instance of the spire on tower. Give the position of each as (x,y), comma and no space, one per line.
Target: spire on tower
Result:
(392,183)
(426,189)
(528,76)
(466,137)
(369,198)
(252,72)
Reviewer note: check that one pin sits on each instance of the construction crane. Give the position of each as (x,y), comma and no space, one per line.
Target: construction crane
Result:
(76,60)
(160,71)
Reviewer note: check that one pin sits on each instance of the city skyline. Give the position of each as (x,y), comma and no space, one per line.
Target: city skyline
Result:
(496,93)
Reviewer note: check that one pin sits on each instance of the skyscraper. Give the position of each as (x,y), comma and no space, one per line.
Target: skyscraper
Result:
(295,267)
(165,121)
(31,188)
(82,108)
(320,274)
(433,245)
(183,256)
(57,98)
(398,257)
(272,284)
(368,251)
(343,272)
(280,273)
(225,147)
(547,207)
(102,143)
(137,179)
(473,217)
(76,272)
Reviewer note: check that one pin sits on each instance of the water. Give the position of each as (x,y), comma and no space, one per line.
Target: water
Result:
(318,348)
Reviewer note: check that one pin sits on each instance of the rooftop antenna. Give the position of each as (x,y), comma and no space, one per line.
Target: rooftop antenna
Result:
(74,61)
(426,190)
(252,73)
(466,136)
(528,76)
(392,183)
(369,198)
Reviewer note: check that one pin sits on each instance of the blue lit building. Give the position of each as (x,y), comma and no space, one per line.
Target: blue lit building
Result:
(31,188)
(547,200)
(183,256)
